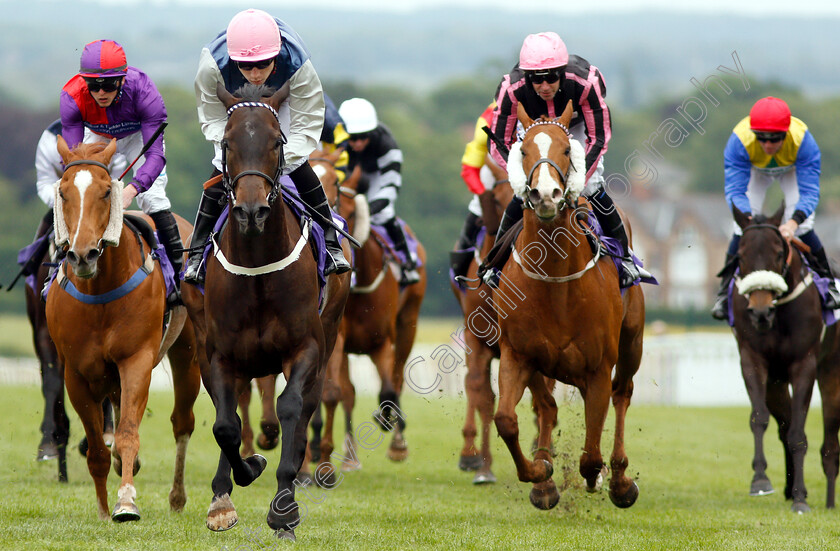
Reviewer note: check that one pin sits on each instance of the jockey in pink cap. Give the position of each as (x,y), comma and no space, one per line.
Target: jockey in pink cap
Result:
(259,49)
(543,82)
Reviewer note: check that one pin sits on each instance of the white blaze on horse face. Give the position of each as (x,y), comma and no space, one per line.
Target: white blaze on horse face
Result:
(82,181)
(546,180)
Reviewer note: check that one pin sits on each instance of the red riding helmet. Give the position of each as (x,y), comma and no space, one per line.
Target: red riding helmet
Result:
(770,115)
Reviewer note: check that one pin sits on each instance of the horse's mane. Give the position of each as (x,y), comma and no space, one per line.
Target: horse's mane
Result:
(760,219)
(251,92)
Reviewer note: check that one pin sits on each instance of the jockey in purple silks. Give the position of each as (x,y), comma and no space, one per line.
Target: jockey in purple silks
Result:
(110,99)
(543,82)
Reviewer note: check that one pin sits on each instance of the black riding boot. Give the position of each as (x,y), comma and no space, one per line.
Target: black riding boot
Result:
(720,310)
(823,269)
(512,215)
(409,267)
(613,227)
(209,209)
(170,238)
(312,193)
(461,257)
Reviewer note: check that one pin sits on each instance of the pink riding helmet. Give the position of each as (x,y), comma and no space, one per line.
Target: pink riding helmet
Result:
(253,35)
(543,51)
(103,59)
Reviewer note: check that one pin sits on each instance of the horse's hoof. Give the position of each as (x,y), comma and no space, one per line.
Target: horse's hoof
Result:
(544,496)
(325,477)
(267,443)
(349,466)
(397,454)
(470,462)
(598,483)
(761,487)
(285,534)
(222,515)
(108,437)
(303,479)
(47,452)
(628,498)
(124,512)
(177,499)
(484,478)
(800,507)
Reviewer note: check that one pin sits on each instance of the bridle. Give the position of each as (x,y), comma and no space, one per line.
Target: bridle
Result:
(230,183)
(788,249)
(545,160)
(100,245)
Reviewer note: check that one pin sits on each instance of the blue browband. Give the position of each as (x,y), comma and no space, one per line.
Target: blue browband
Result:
(112,295)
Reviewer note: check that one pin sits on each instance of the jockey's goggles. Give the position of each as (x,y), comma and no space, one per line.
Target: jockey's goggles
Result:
(248,65)
(358,137)
(104,84)
(538,77)
(771,137)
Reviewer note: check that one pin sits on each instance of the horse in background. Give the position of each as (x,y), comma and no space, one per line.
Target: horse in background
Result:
(259,314)
(480,344)
(105,312)
(563,319)
(784,347)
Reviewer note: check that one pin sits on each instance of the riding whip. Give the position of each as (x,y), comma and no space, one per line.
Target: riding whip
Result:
(146,147)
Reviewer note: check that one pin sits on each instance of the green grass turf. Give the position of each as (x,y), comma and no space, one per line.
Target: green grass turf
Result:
(692,466)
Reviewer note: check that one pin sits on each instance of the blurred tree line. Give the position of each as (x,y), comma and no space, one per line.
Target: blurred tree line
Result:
(431,128)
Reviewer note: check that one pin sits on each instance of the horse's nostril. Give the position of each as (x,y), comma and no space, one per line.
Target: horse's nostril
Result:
(72,257)
(557,194)
(262,214)
(534,195)
(92,256)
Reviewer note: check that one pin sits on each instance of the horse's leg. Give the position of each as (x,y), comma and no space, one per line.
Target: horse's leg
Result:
(330,397)
(477,357)
(135,377)
(805,372)
(295,406)
(108,422)
(227,429)
(754,372)
(186,380)
(485,403)
(269,425)
(351,460)
(98,455)
(514,375)
(596,402)
(316,426)
(829,381)
(244,403)
(544,495)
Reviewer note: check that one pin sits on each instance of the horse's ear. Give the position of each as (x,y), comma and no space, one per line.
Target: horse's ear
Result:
(741,219)
(279,96)
(566,117)
(352,181)
(776,219)
(63,149)
(225,97)
(334,156)
(109,150)
(499,173)
(522,115)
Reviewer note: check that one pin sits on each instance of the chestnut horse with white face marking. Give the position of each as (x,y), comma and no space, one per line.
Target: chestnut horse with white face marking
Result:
(259,313)
(105,313)
(568,321)
(784,348)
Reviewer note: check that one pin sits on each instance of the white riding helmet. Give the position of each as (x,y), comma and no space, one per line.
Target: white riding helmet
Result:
(359,116)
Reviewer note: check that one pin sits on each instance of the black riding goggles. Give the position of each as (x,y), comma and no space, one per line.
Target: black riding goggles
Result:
(248,65)
(104,84)
(538,77)
(358,137)
(771,137)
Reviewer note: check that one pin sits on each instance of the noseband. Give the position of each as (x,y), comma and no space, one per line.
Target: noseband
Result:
(230,183)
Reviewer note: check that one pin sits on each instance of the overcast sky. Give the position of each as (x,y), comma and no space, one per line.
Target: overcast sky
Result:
(746,7)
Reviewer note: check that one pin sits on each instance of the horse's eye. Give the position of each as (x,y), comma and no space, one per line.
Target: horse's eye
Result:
(568,151)
(278,143)
(61,194)
(107,194)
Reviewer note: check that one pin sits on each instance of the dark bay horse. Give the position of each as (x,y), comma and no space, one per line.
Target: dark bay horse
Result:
(105,312)
(481,344)
(784,347)
(381,323)
(259,313)
(564,317)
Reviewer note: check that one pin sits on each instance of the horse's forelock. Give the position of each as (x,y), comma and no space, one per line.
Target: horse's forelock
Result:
(251,92)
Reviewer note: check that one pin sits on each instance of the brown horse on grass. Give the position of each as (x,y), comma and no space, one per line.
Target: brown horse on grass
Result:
(259,313)
(571,322)
(109,345)
(784,348)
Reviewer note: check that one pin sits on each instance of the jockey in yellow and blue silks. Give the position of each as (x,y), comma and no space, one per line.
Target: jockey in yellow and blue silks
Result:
(771,146)
(334,136)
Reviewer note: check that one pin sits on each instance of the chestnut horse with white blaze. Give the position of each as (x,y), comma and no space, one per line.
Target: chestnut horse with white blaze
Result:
(569,320)
(105,312)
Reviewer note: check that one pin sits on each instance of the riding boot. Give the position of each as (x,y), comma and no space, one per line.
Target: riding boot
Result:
(613,227)
(823,269)
(461,257)
(170,238)
(209,209)
(312,193)
(409,267)
(512,215)
(720,310)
